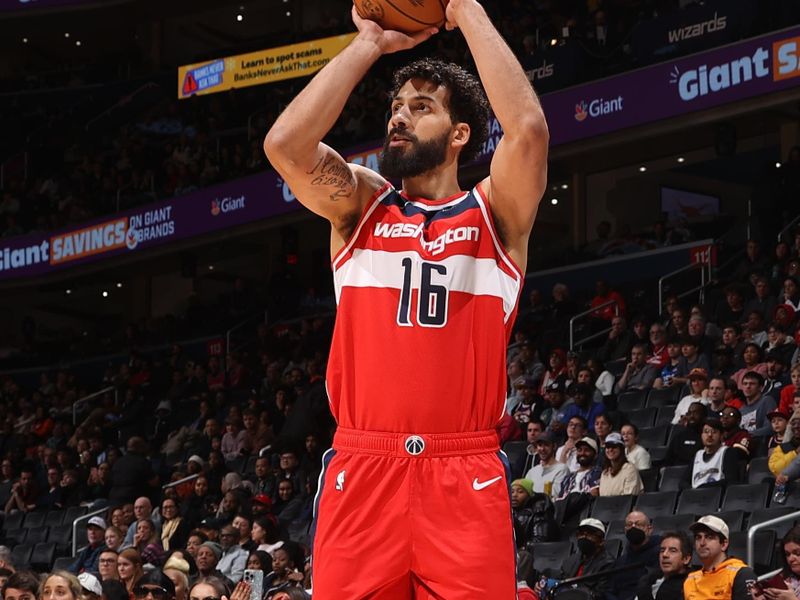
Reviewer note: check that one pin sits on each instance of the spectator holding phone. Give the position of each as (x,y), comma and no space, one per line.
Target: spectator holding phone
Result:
(786,584)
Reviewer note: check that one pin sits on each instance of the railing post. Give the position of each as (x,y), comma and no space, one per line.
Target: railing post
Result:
(180,481)
(75,527)
(751,532)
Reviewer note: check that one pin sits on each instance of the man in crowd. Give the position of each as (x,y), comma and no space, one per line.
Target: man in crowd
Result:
(638,375)
(233,560)
(776,378)
(715,464)
(529,458)
(579,487)
(107,565)
(549,473)
(757,406)
(666,581)
(567,453)
(733,436)
(142,509)
(642,548)
(582,405)
(22,585)
(619,341)
(591,557)
(88,557)
(720,578)
(716,397)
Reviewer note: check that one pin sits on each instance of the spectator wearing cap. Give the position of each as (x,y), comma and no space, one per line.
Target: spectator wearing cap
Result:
(776,377)
(619,477)
(566,453)
(698,392)
(591,558)
(788,392)
(638,456)
(580,486)
(233,559)
(638,375)
(208,555)
(582,405)
(641,549)
(88,557)
(92,590)
(557,403)
(715,464)
(757,406)
(260,505)
(665,582)
(619,342)
(154,585)
(533,514)
(530,405)
(547,476)
(691,359)
(779,420)
(721,577)
(733,436)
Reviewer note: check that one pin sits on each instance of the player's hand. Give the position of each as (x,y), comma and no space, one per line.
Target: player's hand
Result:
(241,591)
(389,41)
(452,11)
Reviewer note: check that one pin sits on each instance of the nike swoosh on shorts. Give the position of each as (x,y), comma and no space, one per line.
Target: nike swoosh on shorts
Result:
(479,485)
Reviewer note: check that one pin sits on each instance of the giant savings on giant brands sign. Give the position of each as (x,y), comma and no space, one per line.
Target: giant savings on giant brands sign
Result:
(778,61)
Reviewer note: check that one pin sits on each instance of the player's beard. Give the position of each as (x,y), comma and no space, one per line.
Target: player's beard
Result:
(411,160)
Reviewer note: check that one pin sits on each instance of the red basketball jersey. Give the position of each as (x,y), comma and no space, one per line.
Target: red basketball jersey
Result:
(426,300)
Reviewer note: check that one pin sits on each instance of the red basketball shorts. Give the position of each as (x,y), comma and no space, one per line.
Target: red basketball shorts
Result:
(402,516)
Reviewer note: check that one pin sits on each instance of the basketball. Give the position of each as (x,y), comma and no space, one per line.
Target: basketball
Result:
(408,16)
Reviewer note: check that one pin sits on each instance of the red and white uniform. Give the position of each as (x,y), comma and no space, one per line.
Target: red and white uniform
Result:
(416,378)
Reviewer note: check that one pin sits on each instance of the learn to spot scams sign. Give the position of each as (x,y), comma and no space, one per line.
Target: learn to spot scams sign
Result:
(256,68)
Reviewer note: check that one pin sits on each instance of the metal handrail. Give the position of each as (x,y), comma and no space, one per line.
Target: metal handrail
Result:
(238,326)
(751,532)
(85,517)
(180,481)
(583,314)
(791,224)
(705,279)
(84,400)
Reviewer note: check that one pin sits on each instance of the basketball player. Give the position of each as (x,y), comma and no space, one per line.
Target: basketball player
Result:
(414,499)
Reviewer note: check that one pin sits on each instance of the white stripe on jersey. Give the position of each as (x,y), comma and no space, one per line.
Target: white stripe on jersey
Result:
(434,207)
(476,276)
(364,218)
(500,250)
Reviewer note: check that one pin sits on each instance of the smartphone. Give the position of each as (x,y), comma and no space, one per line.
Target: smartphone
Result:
(255,577)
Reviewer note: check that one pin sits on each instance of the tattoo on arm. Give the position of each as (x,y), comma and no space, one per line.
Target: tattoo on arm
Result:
(331,172)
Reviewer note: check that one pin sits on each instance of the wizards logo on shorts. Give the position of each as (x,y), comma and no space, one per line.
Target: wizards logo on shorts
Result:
(203,77)
(580,111)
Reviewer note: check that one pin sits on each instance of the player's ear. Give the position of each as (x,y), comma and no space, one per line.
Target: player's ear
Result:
(461,133)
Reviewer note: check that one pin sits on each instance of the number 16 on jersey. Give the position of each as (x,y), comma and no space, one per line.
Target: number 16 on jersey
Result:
(431,299)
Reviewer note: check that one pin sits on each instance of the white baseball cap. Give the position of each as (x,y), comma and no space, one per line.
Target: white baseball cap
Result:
(713,523)
(90,583)
(593,524)
(97,522)
(589,442)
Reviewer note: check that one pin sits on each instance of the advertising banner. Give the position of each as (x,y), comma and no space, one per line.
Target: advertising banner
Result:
(256,68)
(748,69)
(205,211)
(699,26)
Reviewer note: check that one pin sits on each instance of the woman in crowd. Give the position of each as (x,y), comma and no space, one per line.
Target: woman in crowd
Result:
(619,477)
(129,567)
(636,455)
(194,541)
(753,357)
(174,530)
(146,541)
(118,520)
(287,569)
(199,504)
(259,560)
(265,534)
(786,584)
(61,585)
(602,427)
(114,538)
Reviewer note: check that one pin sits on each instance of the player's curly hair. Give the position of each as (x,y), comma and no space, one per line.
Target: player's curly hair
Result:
(467,101)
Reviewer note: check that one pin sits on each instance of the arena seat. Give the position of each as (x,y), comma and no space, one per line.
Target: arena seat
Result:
(767,514)
(631,400)
(700,501)
(651,437)
(33,519)
(679,522)
(658,454)
(672,477)
(664,396)
(614,547)
(15,536)
(733,518)
(37,534)
(21,555)
(514,451)
(615,529)
(42,556)
(606,508)
(664,415)
(656,503)
(763,551)
(746,496)
(62,563)
(550,556)
(758,470)
(54,518)
(13,520)
(73,512)
(643,418)
(649,479)
(62,537)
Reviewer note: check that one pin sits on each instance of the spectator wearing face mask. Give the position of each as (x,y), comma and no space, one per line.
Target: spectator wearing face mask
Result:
(641,548)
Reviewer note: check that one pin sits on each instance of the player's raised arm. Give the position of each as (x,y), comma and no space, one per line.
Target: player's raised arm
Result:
(318,175)
(518,173)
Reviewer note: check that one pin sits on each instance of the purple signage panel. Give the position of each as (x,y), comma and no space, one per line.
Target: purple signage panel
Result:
(754,67)
(212,209)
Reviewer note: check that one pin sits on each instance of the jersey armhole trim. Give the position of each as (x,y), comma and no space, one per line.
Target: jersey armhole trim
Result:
(372,204)
(483,202)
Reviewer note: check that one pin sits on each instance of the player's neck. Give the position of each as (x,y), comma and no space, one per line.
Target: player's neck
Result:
(433,185)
